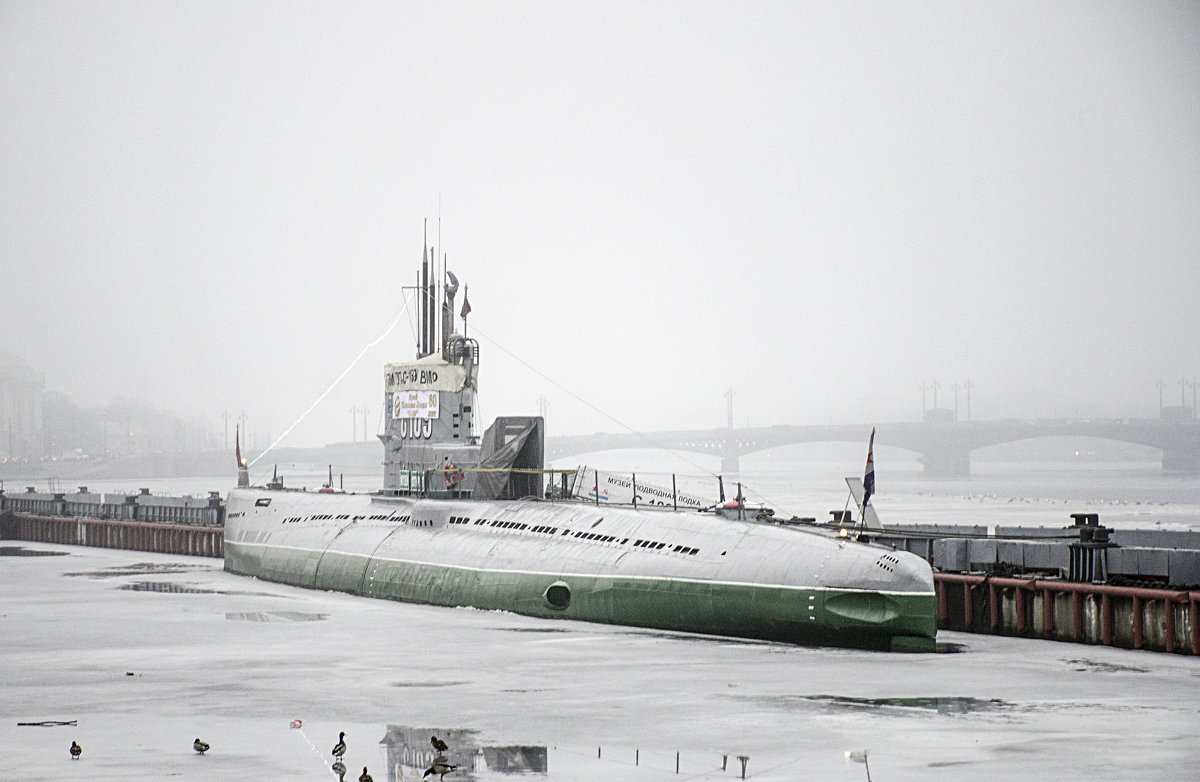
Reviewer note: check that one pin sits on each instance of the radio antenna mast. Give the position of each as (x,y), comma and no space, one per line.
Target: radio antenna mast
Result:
(440,304)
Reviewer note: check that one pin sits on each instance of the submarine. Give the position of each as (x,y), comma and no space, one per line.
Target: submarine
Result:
(470,519)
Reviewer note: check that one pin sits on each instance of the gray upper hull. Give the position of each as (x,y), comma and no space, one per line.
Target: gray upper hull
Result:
(675,570)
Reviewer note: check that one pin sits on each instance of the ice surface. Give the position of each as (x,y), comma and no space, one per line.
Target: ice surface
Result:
(234,660)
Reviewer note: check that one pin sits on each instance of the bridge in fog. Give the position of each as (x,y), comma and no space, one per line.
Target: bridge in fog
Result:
(943,446)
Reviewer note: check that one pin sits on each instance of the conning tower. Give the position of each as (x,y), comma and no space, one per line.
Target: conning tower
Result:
(431,447)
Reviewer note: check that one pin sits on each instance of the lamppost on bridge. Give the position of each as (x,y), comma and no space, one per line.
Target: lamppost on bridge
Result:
(936,414)
(965,385)
(934,386)
(544,411)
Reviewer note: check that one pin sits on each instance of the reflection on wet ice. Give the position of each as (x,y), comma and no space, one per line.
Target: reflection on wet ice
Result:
(942,705)
(414,751)
(273,616)
(411,751)
(21,551)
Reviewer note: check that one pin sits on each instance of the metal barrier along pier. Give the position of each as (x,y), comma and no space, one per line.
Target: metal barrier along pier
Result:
(1166,620)
(190,540)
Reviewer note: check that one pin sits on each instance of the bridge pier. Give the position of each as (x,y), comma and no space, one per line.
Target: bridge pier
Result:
(1181,453)
(730,465)
(946,463)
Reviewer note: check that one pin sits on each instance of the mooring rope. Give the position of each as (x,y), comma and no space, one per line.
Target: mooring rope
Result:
(334,384)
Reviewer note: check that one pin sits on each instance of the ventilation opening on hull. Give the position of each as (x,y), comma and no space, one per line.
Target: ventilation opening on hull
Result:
(557,595)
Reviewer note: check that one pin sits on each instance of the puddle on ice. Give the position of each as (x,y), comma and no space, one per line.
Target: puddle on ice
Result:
(141,569)
(411,751)
(523,690)
(171,587)
(20,551)
(1099,667)
(273,616)
(427,684)
(941,705)
(167,586)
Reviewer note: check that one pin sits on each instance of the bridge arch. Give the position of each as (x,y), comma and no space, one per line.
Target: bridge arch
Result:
(943,448)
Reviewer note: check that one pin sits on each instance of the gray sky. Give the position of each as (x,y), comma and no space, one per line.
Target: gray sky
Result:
(210,206)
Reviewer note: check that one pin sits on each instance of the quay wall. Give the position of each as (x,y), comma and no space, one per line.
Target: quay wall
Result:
(191,540)
(1163,620)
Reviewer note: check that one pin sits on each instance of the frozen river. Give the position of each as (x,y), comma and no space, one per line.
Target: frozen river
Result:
(148,652)
(1018,494)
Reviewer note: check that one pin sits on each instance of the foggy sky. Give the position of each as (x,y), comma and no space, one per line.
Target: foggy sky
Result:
(213,206)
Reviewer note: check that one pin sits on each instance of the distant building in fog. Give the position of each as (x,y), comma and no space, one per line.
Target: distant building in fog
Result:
(21,435)
(41,425)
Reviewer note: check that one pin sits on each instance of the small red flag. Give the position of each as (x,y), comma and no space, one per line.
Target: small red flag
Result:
(466,307)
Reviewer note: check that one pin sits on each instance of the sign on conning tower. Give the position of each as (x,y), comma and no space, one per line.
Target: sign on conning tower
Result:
(427,374)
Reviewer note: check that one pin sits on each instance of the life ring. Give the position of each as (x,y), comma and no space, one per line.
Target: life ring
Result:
(296,723)
(452,475)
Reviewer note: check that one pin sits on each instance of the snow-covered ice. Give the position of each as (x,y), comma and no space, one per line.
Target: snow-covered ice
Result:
(148,652)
